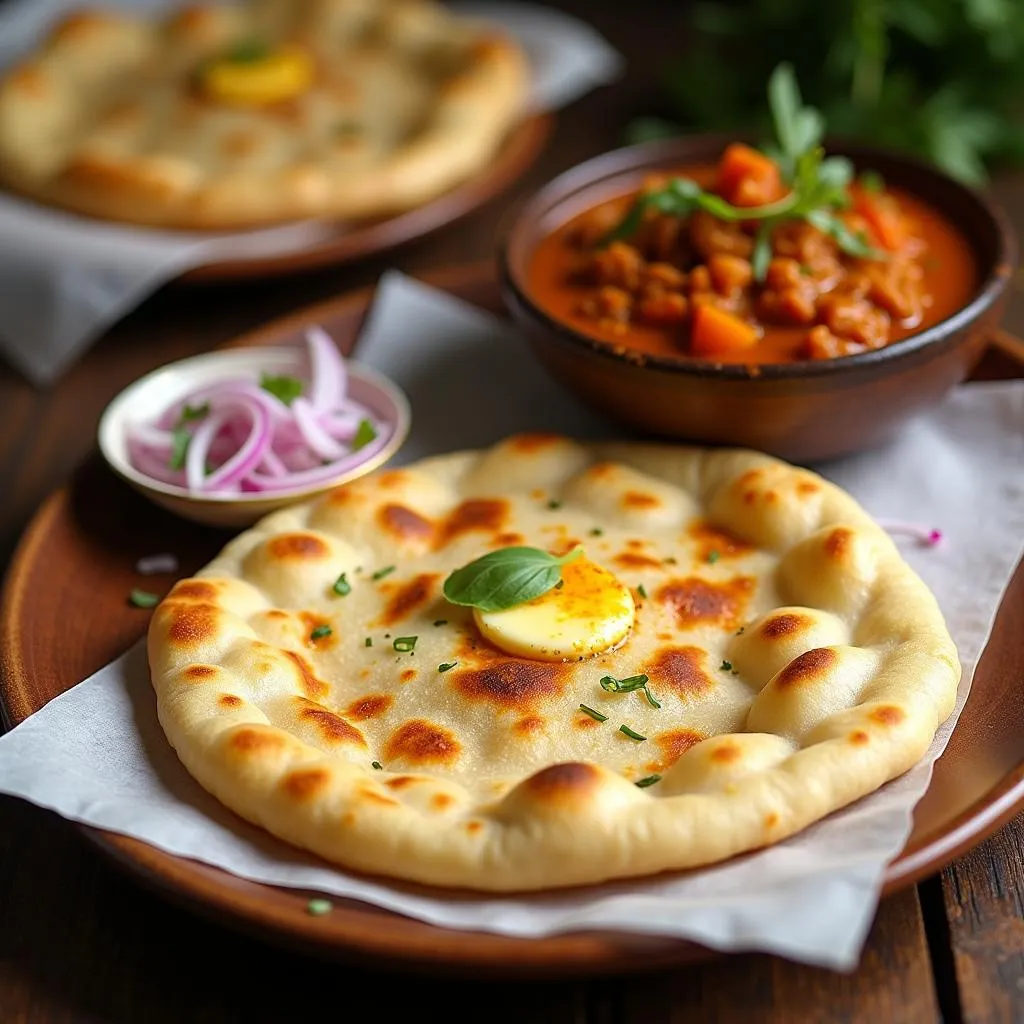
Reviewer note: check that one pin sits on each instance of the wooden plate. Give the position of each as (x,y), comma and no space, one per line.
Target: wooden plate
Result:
(64,615)
(357,241)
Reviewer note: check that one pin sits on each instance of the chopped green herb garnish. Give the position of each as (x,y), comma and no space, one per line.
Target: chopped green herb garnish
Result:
(596,531)
(650,780)
(507,577)
(377,765)
(806,271)
(193,412)
(287,389)
(381,573)
(365,433)
(180,440)
(342,586)
(726,666)
(642,591)
(596,715)
(559,584)
(317,908)
(248,51)
(627,685)
(631,734)
(143,599)
(713,557)
(368,642)
(440,622)
(650,698)
(554,503)
(741,630)
(446,666)
(671,560)
(405,644)
(320,632)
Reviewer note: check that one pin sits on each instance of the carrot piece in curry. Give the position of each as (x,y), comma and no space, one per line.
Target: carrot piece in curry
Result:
(747,177)
(884,219)
(717,333)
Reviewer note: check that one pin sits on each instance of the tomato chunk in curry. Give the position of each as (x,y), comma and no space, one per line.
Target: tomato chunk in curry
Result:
(686,286)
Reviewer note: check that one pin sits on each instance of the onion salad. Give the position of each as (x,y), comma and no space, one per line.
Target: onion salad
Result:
(282,433)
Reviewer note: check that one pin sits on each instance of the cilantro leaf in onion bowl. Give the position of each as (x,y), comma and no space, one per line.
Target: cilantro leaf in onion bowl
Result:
(226,437)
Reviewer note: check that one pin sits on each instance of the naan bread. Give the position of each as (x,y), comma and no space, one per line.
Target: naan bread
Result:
(798,661)
(119,117)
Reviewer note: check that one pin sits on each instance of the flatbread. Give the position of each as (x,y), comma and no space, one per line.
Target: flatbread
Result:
(799,663)
(112,116)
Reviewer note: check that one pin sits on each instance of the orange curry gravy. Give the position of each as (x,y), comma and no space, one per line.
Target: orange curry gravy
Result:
(644,292)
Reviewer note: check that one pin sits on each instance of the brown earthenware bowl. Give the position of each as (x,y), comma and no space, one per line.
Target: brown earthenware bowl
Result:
(804,411)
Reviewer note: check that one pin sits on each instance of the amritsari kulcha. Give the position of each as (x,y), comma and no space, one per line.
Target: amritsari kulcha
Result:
(235,115)
(548,663)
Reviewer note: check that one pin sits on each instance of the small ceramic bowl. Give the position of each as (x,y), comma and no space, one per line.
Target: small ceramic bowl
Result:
(143,399)
(805,411)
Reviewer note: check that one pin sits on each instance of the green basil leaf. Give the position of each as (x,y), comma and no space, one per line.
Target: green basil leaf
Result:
(505,578)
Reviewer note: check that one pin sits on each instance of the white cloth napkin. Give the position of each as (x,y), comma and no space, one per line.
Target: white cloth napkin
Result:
(65,279)
(96,754)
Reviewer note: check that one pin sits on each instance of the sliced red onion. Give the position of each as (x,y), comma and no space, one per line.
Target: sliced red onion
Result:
(154,463)
(198,447)
(152,437)
(249,455)
(316,437)
(320,475)
(247,439)
(328,382)
(272,465)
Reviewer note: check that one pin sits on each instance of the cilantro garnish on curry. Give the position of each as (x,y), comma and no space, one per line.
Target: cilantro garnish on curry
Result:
(770,255)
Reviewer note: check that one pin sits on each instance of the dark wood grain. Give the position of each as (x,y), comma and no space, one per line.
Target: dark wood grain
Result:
(81,942)
(893,983)
(984,897)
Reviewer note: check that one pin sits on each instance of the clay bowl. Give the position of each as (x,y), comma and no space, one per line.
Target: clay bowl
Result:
(803,412)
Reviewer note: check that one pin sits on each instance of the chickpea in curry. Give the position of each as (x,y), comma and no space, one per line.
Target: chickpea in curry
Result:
(694,285)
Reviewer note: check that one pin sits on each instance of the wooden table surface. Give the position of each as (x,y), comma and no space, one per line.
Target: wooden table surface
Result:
(81,941)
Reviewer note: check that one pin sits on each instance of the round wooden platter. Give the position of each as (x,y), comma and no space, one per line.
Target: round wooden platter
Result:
(64,614)
(359,240)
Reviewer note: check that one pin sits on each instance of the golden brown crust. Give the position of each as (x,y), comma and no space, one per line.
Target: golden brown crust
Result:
(798,671)
(407,101)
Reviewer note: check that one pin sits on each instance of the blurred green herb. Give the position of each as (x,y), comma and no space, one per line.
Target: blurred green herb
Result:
(942,79)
